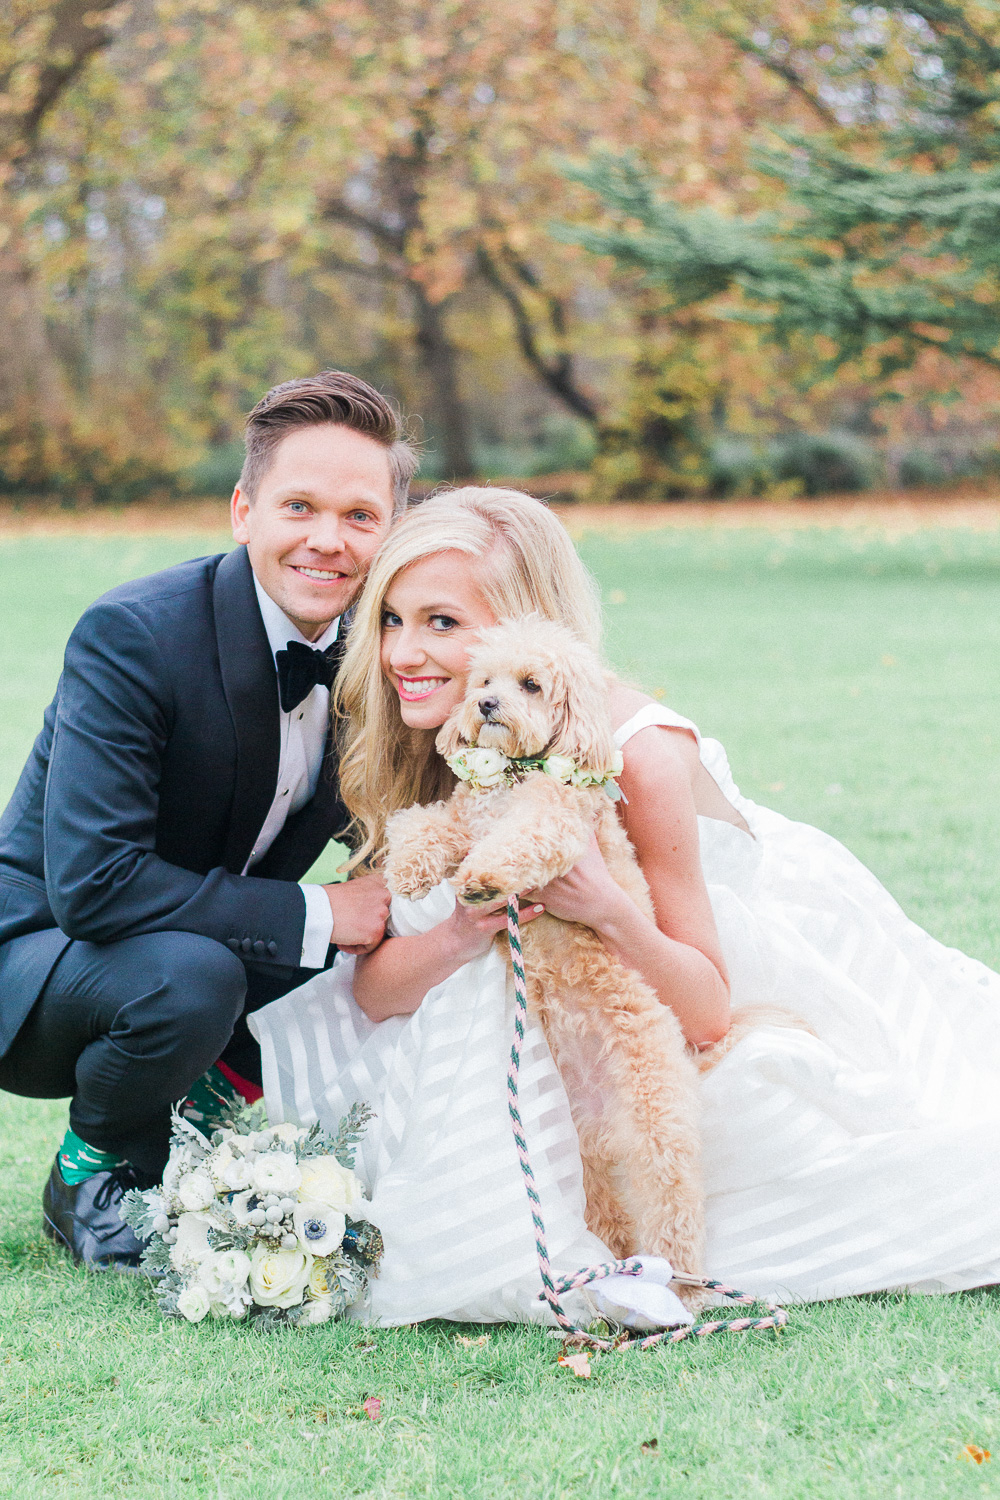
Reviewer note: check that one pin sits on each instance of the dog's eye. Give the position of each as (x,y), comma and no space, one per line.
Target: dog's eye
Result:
(530,685)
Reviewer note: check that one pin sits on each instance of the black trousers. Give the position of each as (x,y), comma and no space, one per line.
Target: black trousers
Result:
(125,1029)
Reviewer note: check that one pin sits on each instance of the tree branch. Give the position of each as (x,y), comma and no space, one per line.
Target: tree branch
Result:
(75,34)
(784,71)
(557,373)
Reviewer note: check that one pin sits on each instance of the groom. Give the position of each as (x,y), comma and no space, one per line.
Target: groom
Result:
(183,781)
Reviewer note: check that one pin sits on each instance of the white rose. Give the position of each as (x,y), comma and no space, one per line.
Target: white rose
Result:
(193,1303)
(617,764)
(191,1245)
(276,1172)
(279,1277)
(318,1310)
(459,763)
(325,1181)
(233,1267)
(559,767)
(196,1191)
(488,767)
(319,1280)
(319,1228)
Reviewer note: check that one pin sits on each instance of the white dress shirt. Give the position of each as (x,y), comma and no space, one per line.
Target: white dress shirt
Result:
(303,739)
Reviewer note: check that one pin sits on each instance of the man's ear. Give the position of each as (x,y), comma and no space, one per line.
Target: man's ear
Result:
(239,510)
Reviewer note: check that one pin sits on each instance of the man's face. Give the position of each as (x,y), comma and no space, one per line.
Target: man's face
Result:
(321,513)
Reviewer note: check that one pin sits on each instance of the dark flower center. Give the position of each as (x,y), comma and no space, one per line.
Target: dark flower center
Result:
(314,1229)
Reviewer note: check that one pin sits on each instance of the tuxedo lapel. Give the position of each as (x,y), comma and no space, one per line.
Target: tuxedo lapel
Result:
(251,688)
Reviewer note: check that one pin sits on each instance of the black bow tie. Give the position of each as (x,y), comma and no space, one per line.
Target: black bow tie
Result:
(300,668)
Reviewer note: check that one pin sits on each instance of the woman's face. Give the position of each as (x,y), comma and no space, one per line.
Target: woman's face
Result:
(431,619)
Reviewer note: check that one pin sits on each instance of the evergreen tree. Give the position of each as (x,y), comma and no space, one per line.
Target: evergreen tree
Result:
(888,237)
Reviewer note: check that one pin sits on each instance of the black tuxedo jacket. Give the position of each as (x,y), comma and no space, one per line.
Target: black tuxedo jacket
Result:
(151,778)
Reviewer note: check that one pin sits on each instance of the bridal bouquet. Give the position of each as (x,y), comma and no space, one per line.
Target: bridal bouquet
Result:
(258,1221)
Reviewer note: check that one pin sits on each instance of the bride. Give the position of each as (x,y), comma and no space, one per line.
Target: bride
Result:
(860,1154)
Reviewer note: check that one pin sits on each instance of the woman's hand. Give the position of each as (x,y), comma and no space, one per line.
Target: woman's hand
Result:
(585,894)
(469,932)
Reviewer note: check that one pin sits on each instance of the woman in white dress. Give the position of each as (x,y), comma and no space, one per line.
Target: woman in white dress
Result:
(863,1153)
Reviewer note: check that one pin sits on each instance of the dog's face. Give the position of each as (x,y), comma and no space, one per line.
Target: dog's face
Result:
(533,689)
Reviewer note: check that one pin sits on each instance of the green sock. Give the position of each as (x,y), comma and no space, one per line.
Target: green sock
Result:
(209,1100)
(78,1161)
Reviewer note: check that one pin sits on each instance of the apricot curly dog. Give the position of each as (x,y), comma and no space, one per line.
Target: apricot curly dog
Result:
(536,692)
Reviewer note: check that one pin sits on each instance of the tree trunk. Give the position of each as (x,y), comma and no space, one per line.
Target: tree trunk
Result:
(33,395)
(439,363)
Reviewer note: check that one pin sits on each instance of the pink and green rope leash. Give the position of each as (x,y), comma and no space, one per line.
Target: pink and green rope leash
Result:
(555,1287)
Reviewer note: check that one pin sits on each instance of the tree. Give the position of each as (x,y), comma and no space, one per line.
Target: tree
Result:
(887,240)
(43,48)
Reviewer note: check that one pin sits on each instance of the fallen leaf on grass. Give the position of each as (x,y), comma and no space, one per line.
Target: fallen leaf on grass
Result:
(649,1446)
(578,1363)
(974,1455)
(364,1348)
(478,1343)
(372,1407)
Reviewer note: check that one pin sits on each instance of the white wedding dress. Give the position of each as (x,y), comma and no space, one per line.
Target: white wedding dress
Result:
(860,1157)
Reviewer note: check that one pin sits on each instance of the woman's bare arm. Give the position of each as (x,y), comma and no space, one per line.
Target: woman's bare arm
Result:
(679,955)
(395,977)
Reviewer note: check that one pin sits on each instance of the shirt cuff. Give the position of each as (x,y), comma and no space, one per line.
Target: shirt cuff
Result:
(318,932)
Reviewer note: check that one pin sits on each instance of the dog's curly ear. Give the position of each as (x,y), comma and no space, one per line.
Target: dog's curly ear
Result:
(450,738)
(584,732)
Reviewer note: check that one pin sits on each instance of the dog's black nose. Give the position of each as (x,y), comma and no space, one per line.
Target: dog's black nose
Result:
(488,706)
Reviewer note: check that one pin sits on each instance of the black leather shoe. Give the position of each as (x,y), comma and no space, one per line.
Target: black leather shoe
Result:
(85,1218)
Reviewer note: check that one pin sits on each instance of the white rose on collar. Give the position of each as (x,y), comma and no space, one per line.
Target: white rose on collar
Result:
(560,767)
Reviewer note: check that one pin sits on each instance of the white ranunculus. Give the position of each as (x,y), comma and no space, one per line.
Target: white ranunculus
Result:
(216,1164)
(325,1181)
(288,1133)
(179,1165)
(559,767)
(617,764)
(236,1176)
(488,767)
(193,1303)
(318,1227)
(276,1172)
(196,1191)
(207,1275)
(191,1245)
(240,1206)
(278,1278)
(316,1310)
(233,1267)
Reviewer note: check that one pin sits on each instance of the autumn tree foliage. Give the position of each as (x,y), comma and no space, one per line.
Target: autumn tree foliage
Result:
(198,198)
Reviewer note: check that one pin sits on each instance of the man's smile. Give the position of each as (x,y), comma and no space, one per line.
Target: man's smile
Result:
(320,575)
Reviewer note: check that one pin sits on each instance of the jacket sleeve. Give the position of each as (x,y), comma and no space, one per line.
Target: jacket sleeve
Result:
(103,876)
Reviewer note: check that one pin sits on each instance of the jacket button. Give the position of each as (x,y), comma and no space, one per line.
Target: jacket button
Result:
(259,948)
(272,948)
(233,943)
(246,945)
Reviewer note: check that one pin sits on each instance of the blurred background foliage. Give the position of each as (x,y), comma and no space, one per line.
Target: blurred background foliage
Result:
(708,247)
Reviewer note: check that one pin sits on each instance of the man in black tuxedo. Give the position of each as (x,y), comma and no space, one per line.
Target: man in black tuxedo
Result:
(183,782)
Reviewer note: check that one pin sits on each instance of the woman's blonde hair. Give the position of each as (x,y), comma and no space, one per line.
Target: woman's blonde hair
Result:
(532,565)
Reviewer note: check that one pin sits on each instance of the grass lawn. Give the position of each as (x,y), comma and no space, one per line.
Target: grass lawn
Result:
(854,681)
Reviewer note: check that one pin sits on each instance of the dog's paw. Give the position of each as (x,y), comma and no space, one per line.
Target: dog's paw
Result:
(410,874)
(476,887)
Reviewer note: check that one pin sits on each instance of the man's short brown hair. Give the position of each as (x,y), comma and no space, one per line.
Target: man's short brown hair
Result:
(332,396)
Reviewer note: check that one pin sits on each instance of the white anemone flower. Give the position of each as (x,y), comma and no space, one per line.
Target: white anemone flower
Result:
(318,1228)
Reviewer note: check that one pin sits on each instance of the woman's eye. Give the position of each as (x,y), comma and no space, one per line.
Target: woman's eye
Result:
(530,685)
(390,621)
(443,622)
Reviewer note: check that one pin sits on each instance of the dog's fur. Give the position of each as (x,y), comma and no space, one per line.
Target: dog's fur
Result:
(630,1080)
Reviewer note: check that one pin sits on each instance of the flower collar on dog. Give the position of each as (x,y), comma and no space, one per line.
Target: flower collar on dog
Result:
(482,770)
